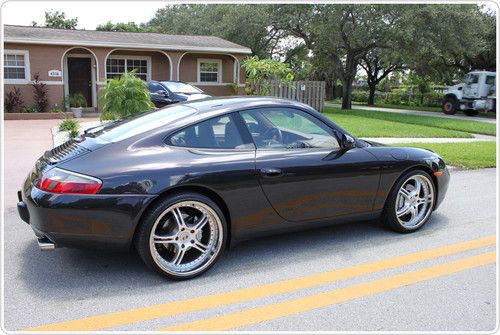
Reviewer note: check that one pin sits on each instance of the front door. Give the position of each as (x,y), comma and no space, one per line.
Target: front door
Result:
(304,172)
(80,77)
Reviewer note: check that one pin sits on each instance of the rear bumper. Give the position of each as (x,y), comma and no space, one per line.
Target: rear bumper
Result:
(83,221)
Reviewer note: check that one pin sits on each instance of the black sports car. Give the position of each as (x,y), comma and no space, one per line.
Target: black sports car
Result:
(184,182)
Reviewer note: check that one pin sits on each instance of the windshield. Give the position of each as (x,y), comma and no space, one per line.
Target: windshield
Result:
(125,128)
(178,87)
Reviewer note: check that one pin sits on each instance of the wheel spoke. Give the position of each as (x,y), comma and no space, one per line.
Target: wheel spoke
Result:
(164,239)
(179,256)
(418,187)
(413,212)
(178,217)
(200,246)
(201,223)
(403,211)
(405,193)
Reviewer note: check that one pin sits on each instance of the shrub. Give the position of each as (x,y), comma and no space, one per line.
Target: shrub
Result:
(359,96)
(124,96)
(13,101)
(76,100)
(260,73)
(55,110)
(30,109)
(40,94)
(69,125)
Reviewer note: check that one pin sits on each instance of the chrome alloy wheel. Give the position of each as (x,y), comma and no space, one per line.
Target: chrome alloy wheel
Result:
(414,201)
(186,238)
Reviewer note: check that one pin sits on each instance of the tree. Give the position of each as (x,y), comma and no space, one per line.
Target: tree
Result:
(260,73)
(56,19)
(445,41)
(122,26)
(340,34)
(248,25)
(378,64)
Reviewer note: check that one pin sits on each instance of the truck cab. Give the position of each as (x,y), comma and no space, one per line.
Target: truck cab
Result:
(476,94)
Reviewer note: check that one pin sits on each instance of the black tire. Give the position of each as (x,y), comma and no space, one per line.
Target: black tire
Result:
(471,112)
(142,239)
(389,216)
(450,105)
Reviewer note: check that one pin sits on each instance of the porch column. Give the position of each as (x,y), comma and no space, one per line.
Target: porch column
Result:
(175,56)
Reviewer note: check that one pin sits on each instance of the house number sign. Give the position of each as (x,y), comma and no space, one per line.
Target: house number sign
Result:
(55,73)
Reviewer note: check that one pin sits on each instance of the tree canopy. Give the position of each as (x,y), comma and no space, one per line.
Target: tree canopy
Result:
(334,42)
(57,19)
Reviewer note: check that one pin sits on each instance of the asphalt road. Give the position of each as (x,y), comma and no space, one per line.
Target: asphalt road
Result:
(447,288)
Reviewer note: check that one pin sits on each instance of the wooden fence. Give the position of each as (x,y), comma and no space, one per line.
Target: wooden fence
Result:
(308,92)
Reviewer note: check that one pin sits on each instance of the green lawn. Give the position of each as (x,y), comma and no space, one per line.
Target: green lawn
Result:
(382,124)
(473,155)
(412,108)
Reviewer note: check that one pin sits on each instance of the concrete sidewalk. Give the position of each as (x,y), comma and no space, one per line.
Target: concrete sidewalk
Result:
(459,115)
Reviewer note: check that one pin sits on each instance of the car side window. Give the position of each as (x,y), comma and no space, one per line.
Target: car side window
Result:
(217,133)
(288,128)
(490,80)
(155,87)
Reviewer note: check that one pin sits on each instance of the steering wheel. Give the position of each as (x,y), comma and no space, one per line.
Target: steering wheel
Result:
(273,135)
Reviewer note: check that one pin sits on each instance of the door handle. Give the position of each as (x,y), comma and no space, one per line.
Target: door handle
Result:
(271,172)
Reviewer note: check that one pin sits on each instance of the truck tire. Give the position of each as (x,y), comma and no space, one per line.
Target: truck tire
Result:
(471,112)
(450,105)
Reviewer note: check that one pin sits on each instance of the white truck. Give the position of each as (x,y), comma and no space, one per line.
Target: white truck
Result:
(476,94)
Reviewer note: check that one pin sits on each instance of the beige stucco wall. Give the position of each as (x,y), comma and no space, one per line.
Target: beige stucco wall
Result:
(43,58)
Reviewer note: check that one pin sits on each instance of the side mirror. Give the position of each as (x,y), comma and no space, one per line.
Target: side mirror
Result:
(348,142)
(162,92)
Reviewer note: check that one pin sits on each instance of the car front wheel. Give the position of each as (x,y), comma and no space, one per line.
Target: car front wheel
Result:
(410,202)
(182,236)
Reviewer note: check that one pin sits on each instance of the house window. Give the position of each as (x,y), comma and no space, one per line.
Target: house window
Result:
(117,66)
(16,66)
(209,70)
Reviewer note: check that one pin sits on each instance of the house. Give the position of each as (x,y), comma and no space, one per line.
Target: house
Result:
(71,61)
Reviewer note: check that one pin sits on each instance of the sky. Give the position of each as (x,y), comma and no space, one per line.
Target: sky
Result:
(89,13)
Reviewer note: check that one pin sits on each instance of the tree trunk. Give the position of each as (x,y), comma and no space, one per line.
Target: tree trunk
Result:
(347,93)
(371,95)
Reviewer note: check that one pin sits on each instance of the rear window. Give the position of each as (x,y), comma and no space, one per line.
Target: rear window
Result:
(128,127)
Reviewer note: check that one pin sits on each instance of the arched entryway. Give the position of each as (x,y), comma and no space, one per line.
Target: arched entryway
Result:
(80,71)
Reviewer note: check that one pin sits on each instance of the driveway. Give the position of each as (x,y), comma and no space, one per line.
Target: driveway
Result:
(25,141)
(450,287)
(459,115)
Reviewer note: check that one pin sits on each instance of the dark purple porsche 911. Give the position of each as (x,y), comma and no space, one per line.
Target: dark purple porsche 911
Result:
(182,183)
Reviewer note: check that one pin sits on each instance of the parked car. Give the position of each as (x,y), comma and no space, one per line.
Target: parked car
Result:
(169,92)
(184,182)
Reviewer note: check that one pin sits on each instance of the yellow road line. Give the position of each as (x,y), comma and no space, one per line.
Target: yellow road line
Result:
(115,319)
(290,307)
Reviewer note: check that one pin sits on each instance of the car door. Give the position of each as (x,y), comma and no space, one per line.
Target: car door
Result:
(304,172)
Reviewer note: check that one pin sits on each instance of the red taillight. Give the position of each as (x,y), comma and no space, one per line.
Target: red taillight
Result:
(61,181)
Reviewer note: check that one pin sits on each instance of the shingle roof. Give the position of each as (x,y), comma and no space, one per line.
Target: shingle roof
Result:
(42,35)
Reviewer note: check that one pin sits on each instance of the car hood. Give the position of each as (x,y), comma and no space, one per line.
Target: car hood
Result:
(193,96)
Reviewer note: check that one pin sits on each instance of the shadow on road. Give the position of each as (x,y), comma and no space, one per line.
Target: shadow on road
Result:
(77,274)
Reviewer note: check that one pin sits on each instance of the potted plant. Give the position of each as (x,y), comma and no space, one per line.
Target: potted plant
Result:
(77,102)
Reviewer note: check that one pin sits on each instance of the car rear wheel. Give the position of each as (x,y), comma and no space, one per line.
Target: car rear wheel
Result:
(182,236)
(410,202)
(450,105)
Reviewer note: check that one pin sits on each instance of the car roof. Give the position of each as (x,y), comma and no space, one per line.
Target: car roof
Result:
(229,103)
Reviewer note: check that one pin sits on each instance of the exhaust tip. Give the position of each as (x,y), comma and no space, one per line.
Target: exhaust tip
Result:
(45,244)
